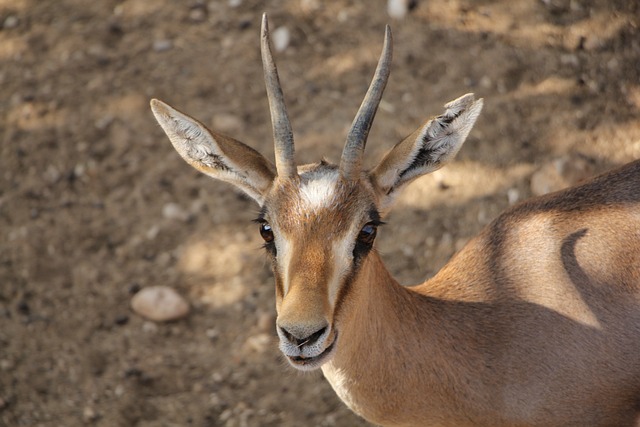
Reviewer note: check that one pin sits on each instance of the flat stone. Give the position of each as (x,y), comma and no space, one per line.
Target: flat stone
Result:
(160,304)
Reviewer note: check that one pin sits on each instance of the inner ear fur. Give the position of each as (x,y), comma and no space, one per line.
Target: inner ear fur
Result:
(216,155)
(429,147)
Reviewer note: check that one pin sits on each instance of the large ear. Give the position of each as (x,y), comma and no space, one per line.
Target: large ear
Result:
(216,155)
(427,149)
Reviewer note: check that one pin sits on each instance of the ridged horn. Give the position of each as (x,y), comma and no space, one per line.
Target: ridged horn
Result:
(282,133)
(351,161)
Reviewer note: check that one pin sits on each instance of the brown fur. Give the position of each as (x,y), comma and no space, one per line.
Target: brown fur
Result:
(487,343)
(536,322)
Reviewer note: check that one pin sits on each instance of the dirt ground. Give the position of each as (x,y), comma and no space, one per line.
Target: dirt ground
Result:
(95,204)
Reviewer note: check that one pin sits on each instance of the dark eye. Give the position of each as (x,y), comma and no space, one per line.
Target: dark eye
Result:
(266,232)
(368,234)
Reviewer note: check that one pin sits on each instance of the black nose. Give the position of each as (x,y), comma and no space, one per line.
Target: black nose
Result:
(301,336)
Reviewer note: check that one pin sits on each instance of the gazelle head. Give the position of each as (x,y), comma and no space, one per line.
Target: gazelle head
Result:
(319,221)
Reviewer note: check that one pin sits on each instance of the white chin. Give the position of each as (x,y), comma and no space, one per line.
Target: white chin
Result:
(312,363)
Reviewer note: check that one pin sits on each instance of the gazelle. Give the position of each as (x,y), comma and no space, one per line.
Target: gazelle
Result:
(535,322)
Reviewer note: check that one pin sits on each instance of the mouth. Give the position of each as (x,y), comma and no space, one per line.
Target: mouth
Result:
(310,363)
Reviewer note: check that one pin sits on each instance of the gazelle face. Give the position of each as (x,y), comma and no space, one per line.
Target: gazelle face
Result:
(317,231)
(318,221)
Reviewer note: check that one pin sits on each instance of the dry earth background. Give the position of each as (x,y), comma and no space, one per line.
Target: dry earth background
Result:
(95,204)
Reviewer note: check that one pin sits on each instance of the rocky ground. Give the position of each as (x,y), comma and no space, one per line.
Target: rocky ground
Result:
(95,204)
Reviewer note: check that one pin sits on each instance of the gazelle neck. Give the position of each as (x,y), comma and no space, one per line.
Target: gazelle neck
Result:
(392,329)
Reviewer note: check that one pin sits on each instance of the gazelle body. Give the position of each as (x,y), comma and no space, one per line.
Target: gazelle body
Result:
(535,322)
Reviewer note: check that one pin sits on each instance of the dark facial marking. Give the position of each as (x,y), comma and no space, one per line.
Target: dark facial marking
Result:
(366,236)
(266,232)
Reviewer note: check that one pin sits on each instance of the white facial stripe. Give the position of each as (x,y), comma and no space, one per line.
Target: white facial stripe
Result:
(343,256)
(320,191)
(284,256)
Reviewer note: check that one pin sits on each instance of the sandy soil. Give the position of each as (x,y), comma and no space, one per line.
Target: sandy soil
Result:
(95,204)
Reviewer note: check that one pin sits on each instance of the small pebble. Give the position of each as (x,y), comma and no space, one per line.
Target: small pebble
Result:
(10,21)
(197,15)
(212,334)
(174,211)
(281,37)
(397,9)
(485,82)
(343,16)
(149,328)
(119,390)
(570,59)
(6,365)
(162,45)
(217,377)
(215,400)
(152,232)
(310,6)
(89,414)
(258,343)
(160,304)
(51,174)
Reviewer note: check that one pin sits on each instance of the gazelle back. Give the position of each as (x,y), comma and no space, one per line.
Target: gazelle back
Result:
(535,322)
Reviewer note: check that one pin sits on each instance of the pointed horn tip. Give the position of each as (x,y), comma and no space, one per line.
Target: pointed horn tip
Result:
(387,46)
(265,25)
(388,35)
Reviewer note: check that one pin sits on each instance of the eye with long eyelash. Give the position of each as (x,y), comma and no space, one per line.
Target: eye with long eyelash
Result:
(266,232)
(365,238)
(368,233)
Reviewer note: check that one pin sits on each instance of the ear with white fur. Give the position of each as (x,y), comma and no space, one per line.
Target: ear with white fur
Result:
(216,155)
(427,149)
